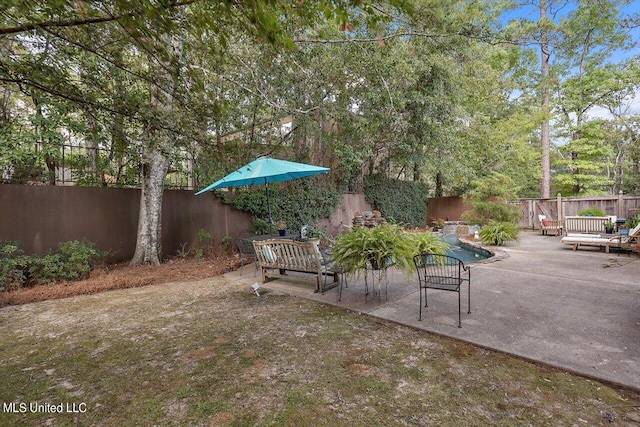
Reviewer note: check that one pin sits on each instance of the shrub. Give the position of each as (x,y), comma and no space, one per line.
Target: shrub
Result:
(633,221)
(70,261)
(592,211)
(12,265)
(499,233)
(399,201)
(488,199)
(260,226)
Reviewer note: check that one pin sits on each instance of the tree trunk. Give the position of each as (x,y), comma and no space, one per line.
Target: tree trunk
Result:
(545,139)
(438,184)
(416,172)
(155,165)
(153,173)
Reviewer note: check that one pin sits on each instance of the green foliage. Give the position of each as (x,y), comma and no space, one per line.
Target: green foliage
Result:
(484,212)
(488,199)
(591,211)
(633,221)
(316,231)
(583,162)
(377,246)
(383,245)
(70,261)
(398,201)
(427,242)
(296,203)
(499,233)
(12,265)
(259,226)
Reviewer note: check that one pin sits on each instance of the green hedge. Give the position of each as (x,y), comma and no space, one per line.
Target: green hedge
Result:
(297,202)
(398,201)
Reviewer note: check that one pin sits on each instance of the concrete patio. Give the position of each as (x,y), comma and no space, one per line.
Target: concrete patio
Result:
(575,310)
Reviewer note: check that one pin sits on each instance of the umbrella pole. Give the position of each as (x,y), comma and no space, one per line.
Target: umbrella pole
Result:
(266,184)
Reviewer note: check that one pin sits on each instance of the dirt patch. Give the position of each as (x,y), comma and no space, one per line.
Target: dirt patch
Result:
(123,276)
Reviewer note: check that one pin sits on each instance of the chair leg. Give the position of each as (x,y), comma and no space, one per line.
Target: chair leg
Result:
(469,291)
(459,315)
(420,315)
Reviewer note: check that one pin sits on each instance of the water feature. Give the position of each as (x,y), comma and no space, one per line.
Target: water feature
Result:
(465,253)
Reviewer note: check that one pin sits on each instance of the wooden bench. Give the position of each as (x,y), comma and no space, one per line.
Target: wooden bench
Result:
(586,224)
(276,257)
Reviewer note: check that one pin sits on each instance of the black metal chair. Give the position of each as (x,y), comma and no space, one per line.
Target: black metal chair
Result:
(442,272)
(330,267)
(245,247)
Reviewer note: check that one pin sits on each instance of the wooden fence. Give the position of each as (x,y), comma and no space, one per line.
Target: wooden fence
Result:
(42,216)
(621,206)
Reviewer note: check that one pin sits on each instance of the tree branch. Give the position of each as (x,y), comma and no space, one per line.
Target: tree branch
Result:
(85,21)
(488,39)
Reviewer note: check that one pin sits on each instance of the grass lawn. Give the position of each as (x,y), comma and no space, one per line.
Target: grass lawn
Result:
(212,353)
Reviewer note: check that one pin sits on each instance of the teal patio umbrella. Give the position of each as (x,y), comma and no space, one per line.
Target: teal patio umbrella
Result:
(264,170)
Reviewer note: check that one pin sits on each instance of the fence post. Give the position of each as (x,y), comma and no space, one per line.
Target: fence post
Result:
(559,207)
(621,213)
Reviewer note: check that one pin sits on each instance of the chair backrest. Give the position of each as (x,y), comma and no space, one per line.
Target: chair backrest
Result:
(635,232)
(245,246)
(434,266)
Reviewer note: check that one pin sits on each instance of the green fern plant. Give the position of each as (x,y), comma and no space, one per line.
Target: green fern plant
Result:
(427,242)
(378,246)
(499,233)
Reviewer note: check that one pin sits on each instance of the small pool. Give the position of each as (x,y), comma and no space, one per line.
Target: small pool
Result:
(463,252)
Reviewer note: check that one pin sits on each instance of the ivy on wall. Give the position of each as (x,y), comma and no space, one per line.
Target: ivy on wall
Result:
(398,201)
(297,202)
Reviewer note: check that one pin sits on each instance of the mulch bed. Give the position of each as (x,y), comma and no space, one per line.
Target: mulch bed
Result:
(122,276)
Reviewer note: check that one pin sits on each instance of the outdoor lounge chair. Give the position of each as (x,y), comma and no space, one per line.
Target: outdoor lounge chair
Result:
(442,272)
(546,225)
(598,240)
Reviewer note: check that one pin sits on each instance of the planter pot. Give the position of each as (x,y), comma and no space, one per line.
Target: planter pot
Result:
(282,232)
(608,230)
(623,231)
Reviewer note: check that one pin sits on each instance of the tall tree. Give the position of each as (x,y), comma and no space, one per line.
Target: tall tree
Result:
(141,29)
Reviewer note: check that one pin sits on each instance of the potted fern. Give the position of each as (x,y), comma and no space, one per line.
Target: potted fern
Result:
(376,247)
(382,246)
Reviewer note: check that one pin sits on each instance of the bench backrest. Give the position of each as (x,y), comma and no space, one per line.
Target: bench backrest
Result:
(287,254)
(586,224)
